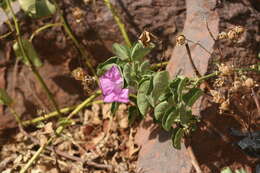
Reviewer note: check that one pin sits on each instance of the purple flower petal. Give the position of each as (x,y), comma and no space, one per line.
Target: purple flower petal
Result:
(111,84)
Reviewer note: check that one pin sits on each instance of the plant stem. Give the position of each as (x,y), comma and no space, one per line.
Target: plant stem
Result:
(43,28)
(35,156)
(119,22)
(33,68)
(59,130)
(55,114)
(74,39)
(161,64)
(191,60)
(5,35)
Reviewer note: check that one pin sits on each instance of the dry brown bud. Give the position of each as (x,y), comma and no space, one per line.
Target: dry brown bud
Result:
(146,38)
(217,96)
(222,36)
(224,106)
(249,83)
(237,84)
(79,74)
(239,30)
(226,70)
(180,40)
(232,35)
(78,14)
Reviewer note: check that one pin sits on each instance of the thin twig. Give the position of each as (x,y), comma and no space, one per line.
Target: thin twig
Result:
(59,130)
(119,22)
(55,114)
(197,43)
(43,28)
(191,60)
(90,163)
(256,100)
(194,161)
(212,36)
(32,67)
(69,32)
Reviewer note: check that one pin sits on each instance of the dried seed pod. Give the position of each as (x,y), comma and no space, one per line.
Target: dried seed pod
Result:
(180,40)
(237,85)
(232,35)
(79,74)
(249,82)
(222,36)
(239,30)
(217,96)
(147,38)
(224,106)
(225,69)
(78,14)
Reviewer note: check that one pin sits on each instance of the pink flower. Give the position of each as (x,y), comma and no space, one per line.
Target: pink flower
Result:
(111,84)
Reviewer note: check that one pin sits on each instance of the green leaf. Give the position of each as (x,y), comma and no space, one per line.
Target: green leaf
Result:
(166,115)
(142,101)
(144,67)
(129,73)
(123,52)
(226,170)
(139,51)
(160,83)
(160,110)
(114,108)
(177,138)
(37,8)
(185,115)
(181,86)
(29,51)
(133,113)
(170,119)
(101,68)
(240,171)
(5,99)
(192,96)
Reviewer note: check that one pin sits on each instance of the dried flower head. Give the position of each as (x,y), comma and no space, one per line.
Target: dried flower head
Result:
(239,30)
(249,82)
(225,69)
(78,14)
(237,85)
(224,106)
(217,96)
(147,38)
(79,74)
(222,36)
(180,40)
(232,35)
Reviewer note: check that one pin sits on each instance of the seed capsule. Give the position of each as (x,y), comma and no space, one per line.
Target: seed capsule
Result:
(180,40)
(222,36)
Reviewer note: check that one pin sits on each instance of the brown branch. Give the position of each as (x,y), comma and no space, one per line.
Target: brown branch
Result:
(256,101)
(193,158)
(191,60)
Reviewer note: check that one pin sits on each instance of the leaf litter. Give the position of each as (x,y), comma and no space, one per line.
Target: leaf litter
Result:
(97,142)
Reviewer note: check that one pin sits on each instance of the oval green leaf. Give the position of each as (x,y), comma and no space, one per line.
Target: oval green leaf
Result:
(29,51)
(142,101)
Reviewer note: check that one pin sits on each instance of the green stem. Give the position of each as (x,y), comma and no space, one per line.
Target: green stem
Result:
(5,35)
(208,76)
(59,130)
(119,22)
(33,68)
(159,65)
(55,114)
(35,156)
(74,39)
(43,28)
